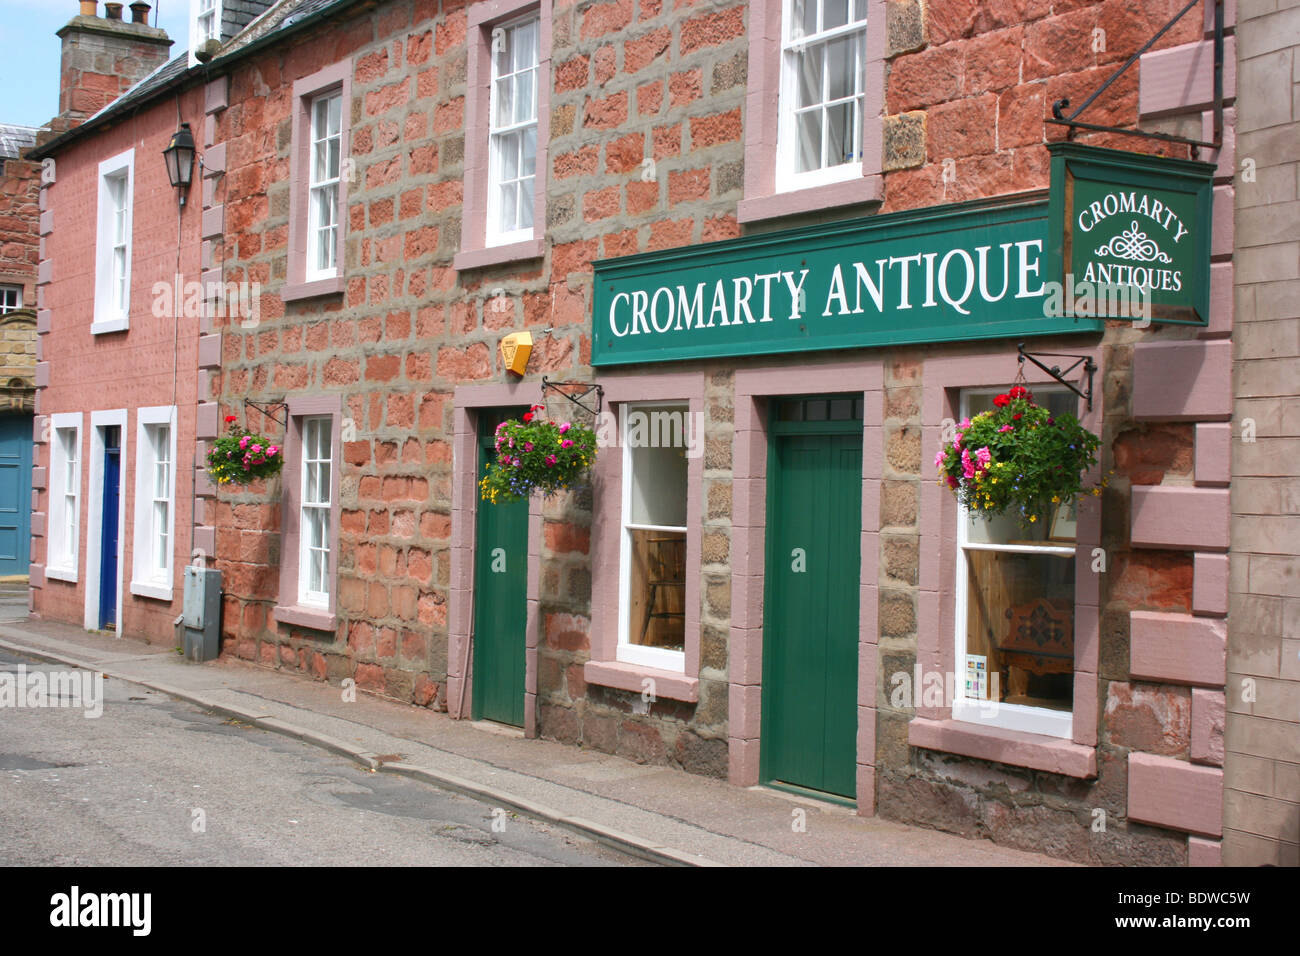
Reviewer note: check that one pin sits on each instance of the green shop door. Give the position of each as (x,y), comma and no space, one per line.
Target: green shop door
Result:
(810,624)
(500,594)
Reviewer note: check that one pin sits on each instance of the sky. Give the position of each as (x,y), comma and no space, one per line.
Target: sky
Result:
(29,67)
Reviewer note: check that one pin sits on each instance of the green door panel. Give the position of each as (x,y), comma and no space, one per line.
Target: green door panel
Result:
(810,628)
(500,596)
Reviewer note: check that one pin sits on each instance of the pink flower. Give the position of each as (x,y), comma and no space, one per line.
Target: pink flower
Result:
(983,456)
(952,482)
(257,449)
(564,427)
(243,443)
(550,461)
(967,466)
(528,446)
(938,459)
(273,451)
(1007,428)
(567,443)
(963,424)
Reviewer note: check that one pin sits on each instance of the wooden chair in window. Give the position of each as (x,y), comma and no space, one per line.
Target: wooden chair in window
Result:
(666,563)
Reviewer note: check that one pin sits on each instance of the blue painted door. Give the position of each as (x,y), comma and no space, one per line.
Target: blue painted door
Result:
(108,537)
(15,493)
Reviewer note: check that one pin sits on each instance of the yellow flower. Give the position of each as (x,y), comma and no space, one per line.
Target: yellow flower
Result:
(1033,518)
(1056,499)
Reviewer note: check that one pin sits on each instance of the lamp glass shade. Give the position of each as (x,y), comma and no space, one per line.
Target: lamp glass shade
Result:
(180,157)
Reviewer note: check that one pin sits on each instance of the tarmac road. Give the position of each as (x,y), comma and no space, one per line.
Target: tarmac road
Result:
(157,782)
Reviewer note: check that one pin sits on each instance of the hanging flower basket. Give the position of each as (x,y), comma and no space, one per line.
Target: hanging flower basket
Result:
(536,455)
(241,457)
(1018,458)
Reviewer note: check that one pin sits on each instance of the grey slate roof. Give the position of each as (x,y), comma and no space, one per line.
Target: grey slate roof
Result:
(15,139)
(280,16)
(237,14)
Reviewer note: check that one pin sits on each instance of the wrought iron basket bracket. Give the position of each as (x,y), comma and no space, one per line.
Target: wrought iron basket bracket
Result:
(1073,122)
(1089,367)
(587,388)
(267,409)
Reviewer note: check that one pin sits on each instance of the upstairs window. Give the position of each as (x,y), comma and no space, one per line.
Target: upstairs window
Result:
(319,174)
(113,244)
(512,134)
(326,163)
(822,56)
(206,23)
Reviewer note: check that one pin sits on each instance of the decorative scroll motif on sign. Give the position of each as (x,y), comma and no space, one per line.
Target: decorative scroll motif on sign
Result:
(1133,244)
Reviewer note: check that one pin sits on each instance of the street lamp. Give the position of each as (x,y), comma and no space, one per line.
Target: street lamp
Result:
(180,159)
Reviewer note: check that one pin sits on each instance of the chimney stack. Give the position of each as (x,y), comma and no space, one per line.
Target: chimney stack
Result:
(105,56)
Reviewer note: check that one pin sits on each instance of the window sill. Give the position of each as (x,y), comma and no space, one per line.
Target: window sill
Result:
(495,255)
(853,192)
(293,291)
(1013,747)
(669,684)
(62,574)
(315,618)
(161,592)
(109,325)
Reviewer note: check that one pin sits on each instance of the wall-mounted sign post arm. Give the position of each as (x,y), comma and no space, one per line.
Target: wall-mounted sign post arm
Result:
(1072,121)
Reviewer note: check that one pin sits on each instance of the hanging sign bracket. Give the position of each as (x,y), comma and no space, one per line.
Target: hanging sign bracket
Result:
(268,409)
(586,389)
(1073,122)
(1089,367)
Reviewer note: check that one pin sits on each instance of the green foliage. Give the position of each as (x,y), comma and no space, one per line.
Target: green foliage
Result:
(536,455)
(1017,458)
(240,456)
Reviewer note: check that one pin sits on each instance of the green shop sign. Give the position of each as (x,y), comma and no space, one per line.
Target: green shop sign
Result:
(945,273)
(1130,235)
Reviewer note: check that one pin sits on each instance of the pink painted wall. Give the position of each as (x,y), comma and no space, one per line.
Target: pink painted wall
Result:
(130,369)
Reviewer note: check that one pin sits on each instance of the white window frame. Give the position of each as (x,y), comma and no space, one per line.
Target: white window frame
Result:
(61,557)
(495,236)
(1020,717)
(197,34)
(306,596)
(149,578)
(5,289)
(315,186)
(787,180)
(113,286)
(628,652)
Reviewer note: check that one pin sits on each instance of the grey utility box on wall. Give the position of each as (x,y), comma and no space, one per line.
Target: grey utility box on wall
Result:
(201,616)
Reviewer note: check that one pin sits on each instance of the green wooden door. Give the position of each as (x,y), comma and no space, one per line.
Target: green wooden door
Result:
(500,595)
(810,623)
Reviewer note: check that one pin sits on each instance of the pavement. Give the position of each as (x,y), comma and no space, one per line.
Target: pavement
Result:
(657,813)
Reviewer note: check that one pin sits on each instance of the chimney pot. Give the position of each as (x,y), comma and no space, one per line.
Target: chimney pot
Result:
(88,8)
(112,11)
(140,12)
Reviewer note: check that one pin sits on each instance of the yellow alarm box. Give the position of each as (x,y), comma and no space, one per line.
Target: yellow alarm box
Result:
(515,350)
